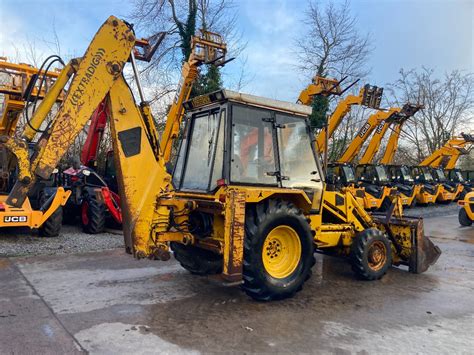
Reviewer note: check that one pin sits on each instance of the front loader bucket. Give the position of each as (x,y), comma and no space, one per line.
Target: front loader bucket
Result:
(412,247)
(424,252)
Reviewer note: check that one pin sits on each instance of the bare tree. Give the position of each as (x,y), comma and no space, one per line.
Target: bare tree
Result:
(181,19)
(331,44)
(448,108)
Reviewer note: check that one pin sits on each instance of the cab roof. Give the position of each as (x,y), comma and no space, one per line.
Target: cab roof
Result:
(264,102)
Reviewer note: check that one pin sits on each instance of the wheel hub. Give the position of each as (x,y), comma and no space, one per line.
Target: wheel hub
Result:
(377,255)
(281,252)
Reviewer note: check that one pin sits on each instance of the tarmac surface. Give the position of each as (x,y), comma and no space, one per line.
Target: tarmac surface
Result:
(107,302)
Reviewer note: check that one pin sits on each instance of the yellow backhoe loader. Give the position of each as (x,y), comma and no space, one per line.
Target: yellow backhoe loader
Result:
(246,201)
(43,209)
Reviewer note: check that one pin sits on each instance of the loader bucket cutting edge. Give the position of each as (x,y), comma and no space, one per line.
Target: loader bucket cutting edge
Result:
(425,253)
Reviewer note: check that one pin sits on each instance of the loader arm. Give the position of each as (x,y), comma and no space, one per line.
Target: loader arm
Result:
(374,121)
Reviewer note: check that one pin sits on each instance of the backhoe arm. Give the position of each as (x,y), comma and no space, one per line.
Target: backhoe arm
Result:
(100,67)
(374,120)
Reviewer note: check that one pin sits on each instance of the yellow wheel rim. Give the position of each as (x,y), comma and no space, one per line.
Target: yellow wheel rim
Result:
(281,252)
(377,255)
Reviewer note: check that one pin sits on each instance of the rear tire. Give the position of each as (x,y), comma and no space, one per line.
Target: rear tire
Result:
(464,219)
(276,231)
(196,260)
(371,254)
(52,226)
(92,215)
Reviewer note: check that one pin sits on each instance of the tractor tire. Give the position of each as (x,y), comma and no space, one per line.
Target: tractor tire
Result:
(386,204)
(52,226)
(464,219)
(93,214)
(371,254)
(278,250)
(196,260)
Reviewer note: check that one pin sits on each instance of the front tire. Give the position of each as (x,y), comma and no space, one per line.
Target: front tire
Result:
(92,215)
(52,226)
(371,254)
(464,219)
(278,250)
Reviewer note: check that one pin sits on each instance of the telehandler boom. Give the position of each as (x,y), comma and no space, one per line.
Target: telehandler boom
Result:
(369,96)
(247,199)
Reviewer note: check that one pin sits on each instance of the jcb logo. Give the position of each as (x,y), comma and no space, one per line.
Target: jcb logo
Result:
(380,127)
(14,219)
(364,130)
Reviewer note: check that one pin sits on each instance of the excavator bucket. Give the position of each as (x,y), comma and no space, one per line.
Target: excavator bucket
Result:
(410,245)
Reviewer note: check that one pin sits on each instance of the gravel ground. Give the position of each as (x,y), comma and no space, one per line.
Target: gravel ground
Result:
(23,242)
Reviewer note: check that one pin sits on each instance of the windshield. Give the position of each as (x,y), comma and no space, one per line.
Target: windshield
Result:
(428,176)
(459,176)
(297,160)
(349,173)
(198,152)
(440,175)
(406,174)
(382,174)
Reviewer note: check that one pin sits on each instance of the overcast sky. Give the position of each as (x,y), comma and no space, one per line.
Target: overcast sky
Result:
(406,33)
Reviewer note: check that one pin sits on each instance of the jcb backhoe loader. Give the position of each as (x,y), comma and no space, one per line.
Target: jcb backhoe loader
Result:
(247,199)
(91,193)
(42,209)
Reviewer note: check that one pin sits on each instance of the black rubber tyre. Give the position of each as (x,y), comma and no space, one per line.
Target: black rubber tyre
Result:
(386,204)
(196,260)
(362,263)
(260,220)
(464,218)
(93,214)
(52,227)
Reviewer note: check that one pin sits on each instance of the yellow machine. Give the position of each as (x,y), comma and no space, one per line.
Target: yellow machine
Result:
(399,177)
(369,96)
(448,156)
(247,199)
(466,212)
(372,178)
(17,91)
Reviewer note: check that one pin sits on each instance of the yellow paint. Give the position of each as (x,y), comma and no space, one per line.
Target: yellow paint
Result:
(281,252)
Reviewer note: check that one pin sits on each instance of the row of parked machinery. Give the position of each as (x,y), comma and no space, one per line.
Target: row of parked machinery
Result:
(434,180)
(246,201)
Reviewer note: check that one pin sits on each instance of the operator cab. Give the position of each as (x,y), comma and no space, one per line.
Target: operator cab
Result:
(401,177)
(373,178)
(238,139)
(423,176)
(339,175)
